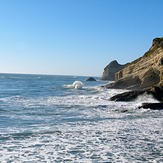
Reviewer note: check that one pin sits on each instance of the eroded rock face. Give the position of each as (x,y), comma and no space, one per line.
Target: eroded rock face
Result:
(111,69)
(151,77)
(144,72)
(130,82)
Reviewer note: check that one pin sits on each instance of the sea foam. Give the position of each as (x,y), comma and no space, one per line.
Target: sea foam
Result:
(75,85)
(76,126)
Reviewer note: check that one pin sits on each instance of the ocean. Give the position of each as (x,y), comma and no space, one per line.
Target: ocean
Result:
(43,118)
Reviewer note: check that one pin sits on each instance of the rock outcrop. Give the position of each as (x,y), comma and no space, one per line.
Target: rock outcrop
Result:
(111,69)
(91,79)
(143,73)
(152,106)
(155,91)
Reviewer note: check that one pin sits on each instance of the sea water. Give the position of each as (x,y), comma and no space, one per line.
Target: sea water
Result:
(44,119)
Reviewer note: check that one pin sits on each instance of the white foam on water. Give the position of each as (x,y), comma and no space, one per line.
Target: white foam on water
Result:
(146,98)
(94,131)
(74,85)
(100,141)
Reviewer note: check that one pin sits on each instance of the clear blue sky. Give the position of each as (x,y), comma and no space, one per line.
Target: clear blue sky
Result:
(75,37)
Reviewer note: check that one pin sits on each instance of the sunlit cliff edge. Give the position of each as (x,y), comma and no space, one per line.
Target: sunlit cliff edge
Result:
(144,72)
(143,75)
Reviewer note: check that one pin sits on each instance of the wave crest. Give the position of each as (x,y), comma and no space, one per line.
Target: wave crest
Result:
(75,85)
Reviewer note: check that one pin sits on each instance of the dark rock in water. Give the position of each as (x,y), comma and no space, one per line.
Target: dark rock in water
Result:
(155,91)
(91,79)
(127,96)
(152,106)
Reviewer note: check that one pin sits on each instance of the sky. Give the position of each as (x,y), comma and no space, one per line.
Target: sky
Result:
(75,37)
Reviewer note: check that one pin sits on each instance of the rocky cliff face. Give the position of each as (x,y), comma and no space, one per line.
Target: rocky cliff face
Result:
(144,72)
(111,69)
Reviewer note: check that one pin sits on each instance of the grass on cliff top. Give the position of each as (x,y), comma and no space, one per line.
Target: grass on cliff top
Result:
(148,53)
(135,61)
(161,39)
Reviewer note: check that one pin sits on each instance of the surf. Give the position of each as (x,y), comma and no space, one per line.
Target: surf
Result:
(75,85)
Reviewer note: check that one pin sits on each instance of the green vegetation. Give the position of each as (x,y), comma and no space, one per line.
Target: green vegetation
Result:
(161,39)
(156,45)
(149,52)
(135,61)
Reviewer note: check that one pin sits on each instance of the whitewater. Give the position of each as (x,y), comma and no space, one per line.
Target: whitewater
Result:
(48,118)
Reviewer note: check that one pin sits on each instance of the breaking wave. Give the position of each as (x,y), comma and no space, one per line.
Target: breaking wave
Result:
(74,85)
(65,125)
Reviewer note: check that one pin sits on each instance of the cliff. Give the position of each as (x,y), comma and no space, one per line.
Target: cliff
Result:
(144,72)
(111,69)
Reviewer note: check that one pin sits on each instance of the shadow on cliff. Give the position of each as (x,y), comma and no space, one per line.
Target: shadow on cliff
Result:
(144,75)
